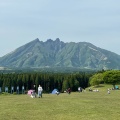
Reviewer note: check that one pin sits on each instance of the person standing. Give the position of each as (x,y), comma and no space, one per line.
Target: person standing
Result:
(108,91)
(40,89)
(78,89)
(34,88)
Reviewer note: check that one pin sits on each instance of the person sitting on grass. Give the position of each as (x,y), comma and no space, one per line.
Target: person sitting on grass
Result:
(69,91)
(33,94)
(57,93)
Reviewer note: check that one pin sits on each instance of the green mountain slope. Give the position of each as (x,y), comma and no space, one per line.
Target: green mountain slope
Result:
(56,53)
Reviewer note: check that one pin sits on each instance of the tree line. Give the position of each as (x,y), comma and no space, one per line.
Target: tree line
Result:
(61,81)
(48,81)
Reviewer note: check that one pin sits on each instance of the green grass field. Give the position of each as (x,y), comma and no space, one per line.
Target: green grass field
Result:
(76,106)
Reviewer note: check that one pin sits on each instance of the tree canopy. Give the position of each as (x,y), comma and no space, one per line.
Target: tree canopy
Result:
(112,77)
(96,79)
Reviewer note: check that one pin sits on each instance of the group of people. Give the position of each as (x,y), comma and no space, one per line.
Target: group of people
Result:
(40,90)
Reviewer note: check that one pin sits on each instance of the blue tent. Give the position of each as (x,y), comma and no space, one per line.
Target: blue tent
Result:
(116,87)
(54,91)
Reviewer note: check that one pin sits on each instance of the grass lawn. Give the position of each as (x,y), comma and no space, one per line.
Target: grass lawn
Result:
(76,106)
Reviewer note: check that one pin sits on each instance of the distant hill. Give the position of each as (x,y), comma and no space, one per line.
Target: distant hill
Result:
(55,53)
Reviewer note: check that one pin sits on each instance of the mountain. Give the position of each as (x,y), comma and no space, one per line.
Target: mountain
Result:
(55,53)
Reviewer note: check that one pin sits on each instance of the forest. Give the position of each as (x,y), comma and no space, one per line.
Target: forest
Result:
(48,81)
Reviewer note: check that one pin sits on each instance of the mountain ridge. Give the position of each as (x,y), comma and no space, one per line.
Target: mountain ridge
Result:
(56,53)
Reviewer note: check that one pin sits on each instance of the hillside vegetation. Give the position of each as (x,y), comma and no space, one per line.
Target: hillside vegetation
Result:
(39,54)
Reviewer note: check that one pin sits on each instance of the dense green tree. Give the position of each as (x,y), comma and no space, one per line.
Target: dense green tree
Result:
(96,79)
(74,84)
(65,85)
(112,77)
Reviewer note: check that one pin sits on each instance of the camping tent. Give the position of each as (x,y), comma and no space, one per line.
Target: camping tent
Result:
(30,92)
(116,87)
(54,91)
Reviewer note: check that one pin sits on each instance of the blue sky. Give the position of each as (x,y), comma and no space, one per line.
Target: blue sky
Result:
(94,21)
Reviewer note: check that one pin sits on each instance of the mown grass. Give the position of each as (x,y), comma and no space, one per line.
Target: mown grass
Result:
(76,106)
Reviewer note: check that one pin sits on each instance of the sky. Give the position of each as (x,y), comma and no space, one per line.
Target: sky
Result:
(94,21)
